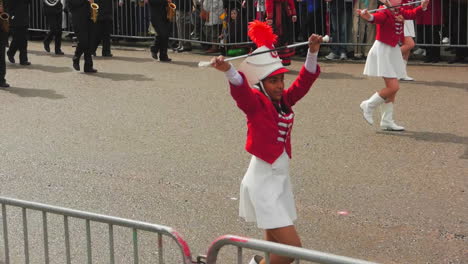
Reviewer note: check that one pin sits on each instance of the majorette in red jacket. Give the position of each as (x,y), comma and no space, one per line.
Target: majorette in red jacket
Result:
(267,135)
(389,29)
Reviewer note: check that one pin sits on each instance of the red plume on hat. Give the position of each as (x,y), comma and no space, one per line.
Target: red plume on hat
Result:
(262,34)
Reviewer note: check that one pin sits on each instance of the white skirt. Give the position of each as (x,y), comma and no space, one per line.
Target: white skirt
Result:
(266,194)
(409,28)
(385,61)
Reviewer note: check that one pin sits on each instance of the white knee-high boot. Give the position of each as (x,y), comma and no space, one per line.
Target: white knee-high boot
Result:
(387,122)
(407,78)
(368,106)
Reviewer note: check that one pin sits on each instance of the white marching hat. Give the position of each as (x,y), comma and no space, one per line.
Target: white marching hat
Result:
(257,68)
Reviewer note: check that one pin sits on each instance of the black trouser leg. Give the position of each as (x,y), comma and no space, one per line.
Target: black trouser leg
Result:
(432,37)
(98,36)
(23,45)
(161,26)
(56,28)
(14,45)
(106,38)
(2,61)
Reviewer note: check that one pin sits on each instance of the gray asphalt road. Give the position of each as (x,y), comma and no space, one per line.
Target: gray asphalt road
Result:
(163,143)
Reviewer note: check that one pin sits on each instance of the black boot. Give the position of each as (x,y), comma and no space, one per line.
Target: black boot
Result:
(11,56)
(76,63)
(58,44)
(46,45)
(23,54)
(4,84)
(88,66)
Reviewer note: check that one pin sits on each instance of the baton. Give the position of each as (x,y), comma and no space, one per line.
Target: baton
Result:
(389,7)
(325,39)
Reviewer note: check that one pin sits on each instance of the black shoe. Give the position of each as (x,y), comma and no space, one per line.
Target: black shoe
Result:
(59,52)
(25,63)
(436,60)
(4,85)
(166,59)
(183,49)
(154,55)
(11,58)
(428,60)
(108,55)
(90,70)
(455,60)
(76,64)
(47,46)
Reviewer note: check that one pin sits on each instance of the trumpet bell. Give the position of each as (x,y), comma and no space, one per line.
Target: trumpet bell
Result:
(51,3)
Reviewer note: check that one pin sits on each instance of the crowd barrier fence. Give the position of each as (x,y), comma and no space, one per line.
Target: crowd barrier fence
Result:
(228,26)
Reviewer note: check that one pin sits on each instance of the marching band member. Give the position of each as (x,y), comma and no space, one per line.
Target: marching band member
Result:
(3,43)
(54,20)
(385,59)
(84,30)
(161,24)
(258,88)
(104,27)
(408,41)
(19,16)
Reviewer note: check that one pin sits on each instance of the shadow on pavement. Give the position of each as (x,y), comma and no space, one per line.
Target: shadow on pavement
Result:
(26,92)
(462,86)
(121,58)
(123,76)
(432,137)
(50,68)
(49,54)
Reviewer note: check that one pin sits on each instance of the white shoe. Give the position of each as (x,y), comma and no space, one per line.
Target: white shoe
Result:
(407,79)
(332,56)
(418,51)
(445,40)
(387,122)
(368,106)
(256,259)
(343,56)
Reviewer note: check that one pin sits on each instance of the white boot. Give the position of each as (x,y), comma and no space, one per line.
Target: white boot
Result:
(368,106)
(387,122)
(407,78)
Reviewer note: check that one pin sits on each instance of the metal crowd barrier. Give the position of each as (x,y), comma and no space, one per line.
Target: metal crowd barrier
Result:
(88,217)
(274,248)
(132,21)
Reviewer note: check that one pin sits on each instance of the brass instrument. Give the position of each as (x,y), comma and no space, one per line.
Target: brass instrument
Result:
(4,20)
(51,3)
(94,11)
(171,10)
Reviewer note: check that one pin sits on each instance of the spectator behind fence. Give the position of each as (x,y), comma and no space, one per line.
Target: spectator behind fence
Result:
(184,25)
(310,14)
(363,32)
(281,14)
(340,13)
(458,25)
(429,26)
(211,11)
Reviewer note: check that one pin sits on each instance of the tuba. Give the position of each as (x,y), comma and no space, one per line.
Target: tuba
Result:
(51,3)
(4,20)
(171,10)
(94,11)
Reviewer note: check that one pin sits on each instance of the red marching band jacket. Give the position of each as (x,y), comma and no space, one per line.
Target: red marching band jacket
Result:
(390,30)
(267,133)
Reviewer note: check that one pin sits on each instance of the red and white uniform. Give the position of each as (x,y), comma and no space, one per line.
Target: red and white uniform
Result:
(266,193)
(384,58)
